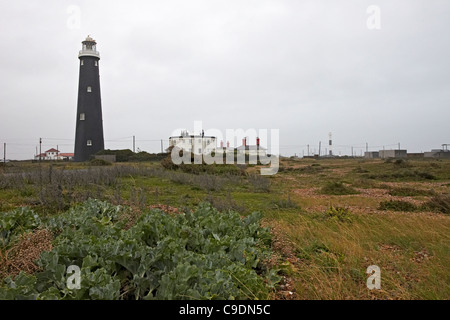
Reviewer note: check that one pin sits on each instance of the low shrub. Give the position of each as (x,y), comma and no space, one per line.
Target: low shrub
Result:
(285,203)
(439,203)
(259,183)
(398,205)
(339,213)
(410,192)
(99,162)
(337,188)
(225,204)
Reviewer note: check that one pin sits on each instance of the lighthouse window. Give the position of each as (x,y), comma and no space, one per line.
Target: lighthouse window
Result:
(96,63)
(89,89)
(82,116)
(82,62)
(89,142)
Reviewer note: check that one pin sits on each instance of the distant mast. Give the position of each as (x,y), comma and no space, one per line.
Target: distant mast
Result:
(89,126)
(330,143)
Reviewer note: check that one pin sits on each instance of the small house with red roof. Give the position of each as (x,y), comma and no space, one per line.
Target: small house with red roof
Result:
(54,154)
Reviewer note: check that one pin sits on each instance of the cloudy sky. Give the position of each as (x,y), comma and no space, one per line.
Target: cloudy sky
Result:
(373,72)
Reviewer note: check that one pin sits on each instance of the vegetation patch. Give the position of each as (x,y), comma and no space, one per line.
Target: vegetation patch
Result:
(99,162)
(398,205)
(439,203)
(337,188)
(339,213)
(285,203)
(201,254)
(410,192)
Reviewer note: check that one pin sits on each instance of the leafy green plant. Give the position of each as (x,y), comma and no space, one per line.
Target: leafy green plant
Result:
(201,254)
(15,222)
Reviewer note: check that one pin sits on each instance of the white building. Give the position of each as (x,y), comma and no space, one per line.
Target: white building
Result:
(53,154)
(252,150)
(197,144)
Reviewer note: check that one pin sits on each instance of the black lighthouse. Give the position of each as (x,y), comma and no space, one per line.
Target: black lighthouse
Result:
(89,129)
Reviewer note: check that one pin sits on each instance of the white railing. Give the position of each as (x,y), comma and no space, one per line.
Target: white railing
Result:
(89,53)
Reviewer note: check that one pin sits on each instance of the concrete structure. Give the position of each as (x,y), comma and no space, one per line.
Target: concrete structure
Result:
(384,154)
(415,155)
(438,153)
(89,126)
(371,154)
(197,144)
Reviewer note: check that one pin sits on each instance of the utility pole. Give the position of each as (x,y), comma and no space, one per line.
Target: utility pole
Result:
(162,151)
(57,152)
(352,152)
(367,147)
(308,150)
(4,153)
(399,146)
(319,147)
(134,144)
(40,166)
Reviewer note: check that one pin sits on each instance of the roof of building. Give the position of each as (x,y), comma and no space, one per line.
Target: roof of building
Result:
(52,150)
(67,154)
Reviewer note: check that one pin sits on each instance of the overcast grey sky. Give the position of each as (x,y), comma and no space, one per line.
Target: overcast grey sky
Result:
(306,68)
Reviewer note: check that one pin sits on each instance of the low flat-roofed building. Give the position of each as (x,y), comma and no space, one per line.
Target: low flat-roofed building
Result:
(371,154)
(384,154)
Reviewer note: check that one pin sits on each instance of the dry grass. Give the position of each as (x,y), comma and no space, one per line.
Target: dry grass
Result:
(22,255)
(329,258)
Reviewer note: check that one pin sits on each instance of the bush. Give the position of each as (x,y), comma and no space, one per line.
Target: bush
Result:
(398,205)
(259,183)
(439,203)
(337,188)
(401,163)
(121,155)
(285,204)
(225,204)
(410,192)
(339,213)
(168,164)
(426,175)
(145,156)
(99,162)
